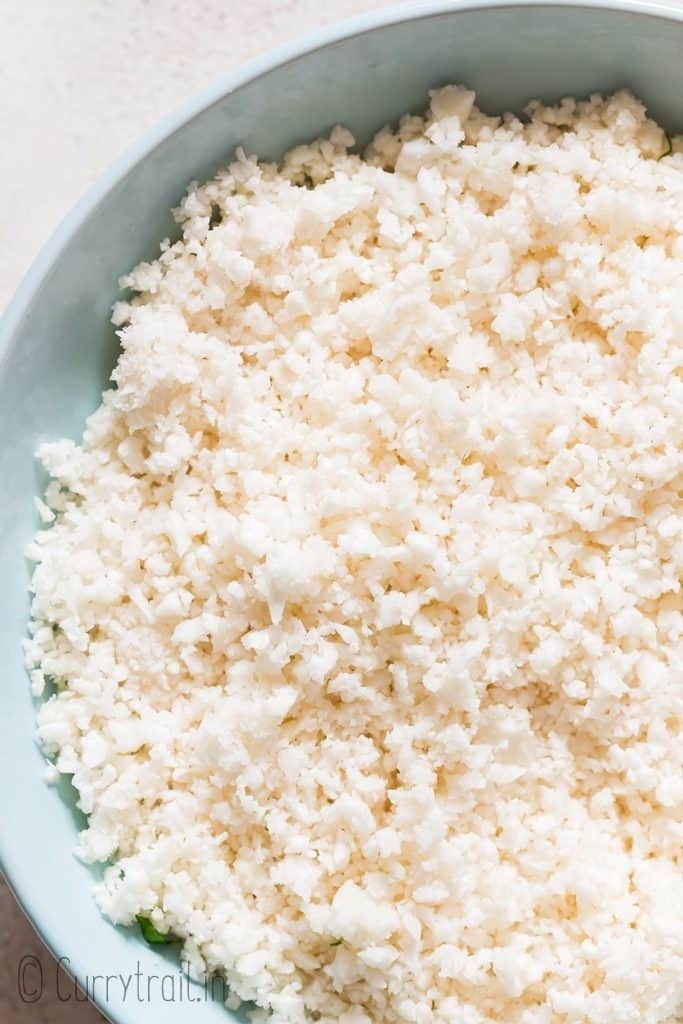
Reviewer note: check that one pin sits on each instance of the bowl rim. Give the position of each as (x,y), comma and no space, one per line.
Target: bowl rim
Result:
(60,237)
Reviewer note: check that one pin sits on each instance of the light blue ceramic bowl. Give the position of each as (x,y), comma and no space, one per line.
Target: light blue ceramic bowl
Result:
(57,347)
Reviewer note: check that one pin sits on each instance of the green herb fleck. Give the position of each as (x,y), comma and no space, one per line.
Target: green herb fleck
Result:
(337,942)
(151,935)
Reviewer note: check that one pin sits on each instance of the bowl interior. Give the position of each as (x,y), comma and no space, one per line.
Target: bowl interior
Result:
(57,347)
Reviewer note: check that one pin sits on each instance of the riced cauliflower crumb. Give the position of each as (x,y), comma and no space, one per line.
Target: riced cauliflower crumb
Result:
(363,594)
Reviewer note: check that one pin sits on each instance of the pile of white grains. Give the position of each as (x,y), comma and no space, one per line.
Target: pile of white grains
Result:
(362,595)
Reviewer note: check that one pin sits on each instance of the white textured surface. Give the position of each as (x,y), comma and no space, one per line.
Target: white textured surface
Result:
(81,79)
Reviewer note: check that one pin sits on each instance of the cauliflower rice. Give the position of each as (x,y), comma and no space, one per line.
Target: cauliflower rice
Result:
(362,595)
